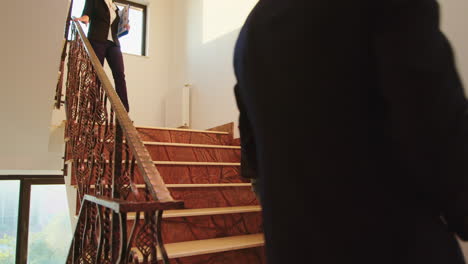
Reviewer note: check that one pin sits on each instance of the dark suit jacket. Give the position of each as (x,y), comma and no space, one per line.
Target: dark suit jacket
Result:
(356,121)
(99,16)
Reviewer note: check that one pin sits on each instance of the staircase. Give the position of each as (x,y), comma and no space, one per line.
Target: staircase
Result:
(221,221)
(147,194)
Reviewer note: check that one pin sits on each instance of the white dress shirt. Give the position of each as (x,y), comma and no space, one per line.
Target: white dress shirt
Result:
(112,8)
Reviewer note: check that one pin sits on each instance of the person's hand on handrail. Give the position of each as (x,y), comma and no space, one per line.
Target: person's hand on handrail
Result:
(84,19)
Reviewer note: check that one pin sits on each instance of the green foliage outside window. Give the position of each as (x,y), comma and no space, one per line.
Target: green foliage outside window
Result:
(7,249)
(51,244)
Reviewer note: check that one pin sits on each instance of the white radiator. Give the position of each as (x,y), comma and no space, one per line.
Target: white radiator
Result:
(178,107)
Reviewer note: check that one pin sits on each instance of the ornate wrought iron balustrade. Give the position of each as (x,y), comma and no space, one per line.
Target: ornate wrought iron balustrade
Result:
(102,235)
(106,153)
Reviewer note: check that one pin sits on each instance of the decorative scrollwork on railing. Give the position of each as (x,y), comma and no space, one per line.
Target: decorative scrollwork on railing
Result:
(103,143)
(106,153)
(91,131)
(90,125)
(99,236)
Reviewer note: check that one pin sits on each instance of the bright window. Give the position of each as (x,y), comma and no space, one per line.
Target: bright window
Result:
(9,205)
(50,231)
(35,226)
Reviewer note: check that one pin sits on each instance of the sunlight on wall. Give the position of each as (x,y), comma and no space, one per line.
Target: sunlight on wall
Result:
(222,17)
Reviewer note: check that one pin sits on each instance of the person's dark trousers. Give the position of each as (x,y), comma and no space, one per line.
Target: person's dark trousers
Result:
(113,55)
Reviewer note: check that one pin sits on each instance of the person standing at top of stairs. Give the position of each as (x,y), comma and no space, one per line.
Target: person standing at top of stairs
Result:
(103,17)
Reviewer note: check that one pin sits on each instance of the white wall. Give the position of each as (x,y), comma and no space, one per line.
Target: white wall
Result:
(183,47)
(30,56)
(204,38)
(455,25)
(30,51)
(190,41)
(205,32)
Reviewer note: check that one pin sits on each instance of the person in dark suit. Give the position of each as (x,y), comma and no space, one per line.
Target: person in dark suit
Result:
(354,119)
(104,19)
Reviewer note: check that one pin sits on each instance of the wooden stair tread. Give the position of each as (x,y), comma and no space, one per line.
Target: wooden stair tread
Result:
(208,185)
(175,144)
(197,163)
(211,211)
(183,130)
(170,144)
(205,211)
(194,185)
(208,246)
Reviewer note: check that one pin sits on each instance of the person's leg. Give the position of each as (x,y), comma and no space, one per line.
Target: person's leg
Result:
(115,60)
(100,50)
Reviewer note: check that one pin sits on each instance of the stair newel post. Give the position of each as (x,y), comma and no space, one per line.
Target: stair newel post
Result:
(59,87)
(116,174)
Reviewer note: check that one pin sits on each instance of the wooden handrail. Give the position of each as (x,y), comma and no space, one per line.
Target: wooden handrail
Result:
(150,174)
(122,206)
(59,87)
